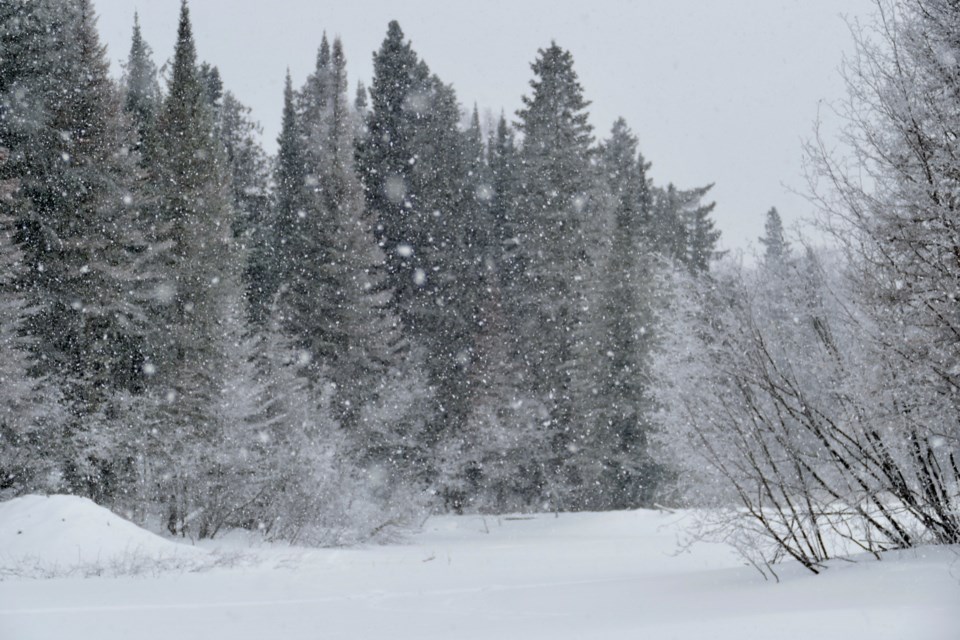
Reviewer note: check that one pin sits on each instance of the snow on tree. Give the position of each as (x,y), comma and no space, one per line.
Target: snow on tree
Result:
(142,95)
(77,224)
(900,237)
(553,211)
(30,417)
(615,405)
(195,220)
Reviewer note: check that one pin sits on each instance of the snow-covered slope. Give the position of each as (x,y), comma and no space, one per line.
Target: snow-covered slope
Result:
(66,535)
(584,576)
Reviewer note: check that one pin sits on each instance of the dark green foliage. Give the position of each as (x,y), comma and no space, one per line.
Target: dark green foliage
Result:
(623,334)
(77,211)
(399,304)
(142,99)
(414,164)
(199,275)
(683,229)
(249,170)
(553,211)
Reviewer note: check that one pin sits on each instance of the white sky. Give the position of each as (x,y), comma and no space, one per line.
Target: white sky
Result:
(717,91)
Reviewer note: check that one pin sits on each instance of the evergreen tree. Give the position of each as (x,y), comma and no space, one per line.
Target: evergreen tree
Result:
(504,167)
(249,171)
(310,298)
(412,166)
(77,214)
(616,407)
(275,252)
(195,222)
(212,85)
(776,247)
(553,217)
(29,415)
(142,99)
(683,228)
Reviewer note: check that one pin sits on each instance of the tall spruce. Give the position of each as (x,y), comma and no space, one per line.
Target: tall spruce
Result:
(195,222)
(412,166)
(554,211)
(776,249)
(249,170)
(683,228)
(30,413)
(621,332)
(76,211)
(142,99)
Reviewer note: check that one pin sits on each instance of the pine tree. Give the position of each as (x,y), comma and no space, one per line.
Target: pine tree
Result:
(682,227)
(310,298)
(776,247)
(142,99)
(504,167)
(702,234)
(77,214)
(249,171)
(412,166)
(553,217)
(195,222)
(616,407)
(275,250)
(29,416)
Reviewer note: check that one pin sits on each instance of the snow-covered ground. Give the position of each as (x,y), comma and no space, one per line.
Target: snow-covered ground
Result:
(584,576)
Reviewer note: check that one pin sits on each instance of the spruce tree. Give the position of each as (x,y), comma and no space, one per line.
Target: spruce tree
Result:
(412,166)
(29,406)
(682,227)
(195,223)
(248,167)
(310,299)
(275,252)
(142,99)
(617,408)
(77,215)
(776,248)
(553,212)
(504,167)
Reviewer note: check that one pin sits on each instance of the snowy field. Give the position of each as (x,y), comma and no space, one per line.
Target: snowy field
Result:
(584,576)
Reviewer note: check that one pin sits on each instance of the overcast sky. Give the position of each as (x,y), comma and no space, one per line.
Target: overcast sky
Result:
(717,91)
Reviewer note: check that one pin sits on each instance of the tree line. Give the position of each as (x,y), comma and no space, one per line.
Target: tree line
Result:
(403,310)
(406,310)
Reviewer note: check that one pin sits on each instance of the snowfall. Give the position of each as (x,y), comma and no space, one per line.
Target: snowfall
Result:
(71,569)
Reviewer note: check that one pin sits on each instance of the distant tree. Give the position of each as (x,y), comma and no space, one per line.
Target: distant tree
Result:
(249,170)
(142,90)
(683,228)
(504,168)
(776,247)
(212,85)
(276,251)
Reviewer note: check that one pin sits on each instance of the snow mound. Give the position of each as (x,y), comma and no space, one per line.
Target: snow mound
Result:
(59,535)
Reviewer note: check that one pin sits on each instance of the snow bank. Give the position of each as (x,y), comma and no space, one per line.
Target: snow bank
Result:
(45,536)
(595,576)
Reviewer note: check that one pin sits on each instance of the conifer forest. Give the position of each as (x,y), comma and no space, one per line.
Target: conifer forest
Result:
(408,311)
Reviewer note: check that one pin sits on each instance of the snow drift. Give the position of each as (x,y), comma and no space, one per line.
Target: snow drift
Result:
(46,536)
(600,576)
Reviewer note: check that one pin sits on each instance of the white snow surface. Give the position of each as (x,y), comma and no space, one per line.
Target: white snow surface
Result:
(63,535)
(584,576)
